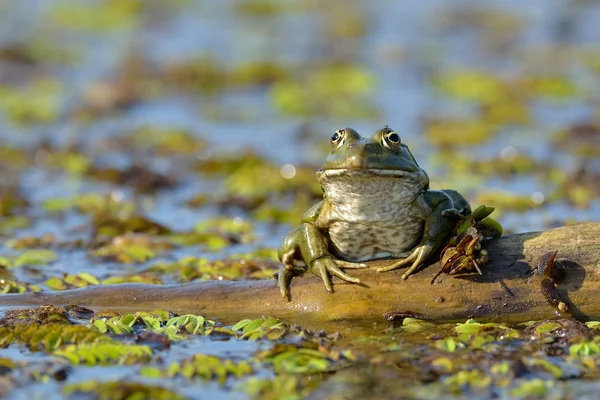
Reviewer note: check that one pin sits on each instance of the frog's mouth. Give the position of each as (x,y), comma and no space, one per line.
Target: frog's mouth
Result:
(364,172)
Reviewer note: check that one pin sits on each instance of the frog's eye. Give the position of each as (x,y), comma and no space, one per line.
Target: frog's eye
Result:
(391,139)
(337,138)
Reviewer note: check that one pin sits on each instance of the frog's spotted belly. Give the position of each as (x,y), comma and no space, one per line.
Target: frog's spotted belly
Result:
(362,242)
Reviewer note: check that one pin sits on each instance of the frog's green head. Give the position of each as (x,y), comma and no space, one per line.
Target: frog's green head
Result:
(359,172)
(384,151)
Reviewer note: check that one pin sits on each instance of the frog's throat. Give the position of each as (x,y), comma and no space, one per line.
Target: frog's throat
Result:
(367,195)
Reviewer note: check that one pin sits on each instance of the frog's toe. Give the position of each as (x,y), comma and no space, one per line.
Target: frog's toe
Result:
(284,281)
(284,278)
(327,267)
(421,253)
(320,269)
(417,257)
(398,264)
(334,270)
(350,265)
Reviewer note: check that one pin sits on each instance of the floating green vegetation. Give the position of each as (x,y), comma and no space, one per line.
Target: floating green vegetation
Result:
(69,159)
(507,201)
(258,186)
(457,132)
(268,328)
(557,88)
(97,17)
(89,203)
(10,286)
(140,177)
(117,225)
(456,165)
(105,353)
(132,248)
(473,86)
(306,358)
(235,268)
(120,389)
(201,366)
(49,336)
(32,257)
(533,388)
(13,158)
(208,76)
(264,8)
(240,230)
(111,216)
(30,242)
(280,387)
(487,88)
(13,223)
(584,349)
(39,315)
(513,111)
(82,279)
(37,102)
(157,321)
(164,142)
(336,90)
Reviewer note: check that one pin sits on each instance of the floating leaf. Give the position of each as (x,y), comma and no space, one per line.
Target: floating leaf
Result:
(35,257)
(105,353)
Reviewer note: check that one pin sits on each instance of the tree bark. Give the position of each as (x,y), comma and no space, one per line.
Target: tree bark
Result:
(507,291)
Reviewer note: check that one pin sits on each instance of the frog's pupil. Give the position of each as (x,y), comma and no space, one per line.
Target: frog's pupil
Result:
(335,137)
(394,138)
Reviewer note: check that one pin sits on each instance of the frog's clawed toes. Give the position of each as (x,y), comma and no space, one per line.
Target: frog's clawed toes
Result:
(326,267)
(417,257)
(398,264)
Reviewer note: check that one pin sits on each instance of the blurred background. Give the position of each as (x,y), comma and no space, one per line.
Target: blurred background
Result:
(226,107)
(174,141)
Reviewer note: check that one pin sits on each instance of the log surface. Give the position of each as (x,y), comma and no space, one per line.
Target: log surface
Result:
(507,291)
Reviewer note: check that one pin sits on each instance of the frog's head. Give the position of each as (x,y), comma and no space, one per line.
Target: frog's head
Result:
(358,171)
(384,151)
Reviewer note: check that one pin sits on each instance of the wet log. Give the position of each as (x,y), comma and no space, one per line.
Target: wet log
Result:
(507,291)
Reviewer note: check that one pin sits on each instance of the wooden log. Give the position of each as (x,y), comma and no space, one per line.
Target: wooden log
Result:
(507,291)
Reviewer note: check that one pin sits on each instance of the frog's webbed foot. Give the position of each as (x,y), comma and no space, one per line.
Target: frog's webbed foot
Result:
(326,267)
(417,257)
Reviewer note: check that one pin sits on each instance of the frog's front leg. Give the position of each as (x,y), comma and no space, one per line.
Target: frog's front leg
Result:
(306,247)
(437,231)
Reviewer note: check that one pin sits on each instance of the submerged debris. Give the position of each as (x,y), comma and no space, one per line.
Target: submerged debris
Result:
(552,273)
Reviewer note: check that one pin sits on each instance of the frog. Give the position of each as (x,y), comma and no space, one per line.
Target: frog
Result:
(376,204)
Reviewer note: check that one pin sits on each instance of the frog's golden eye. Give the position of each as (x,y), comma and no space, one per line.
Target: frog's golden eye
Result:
(391,139)
(337,138)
